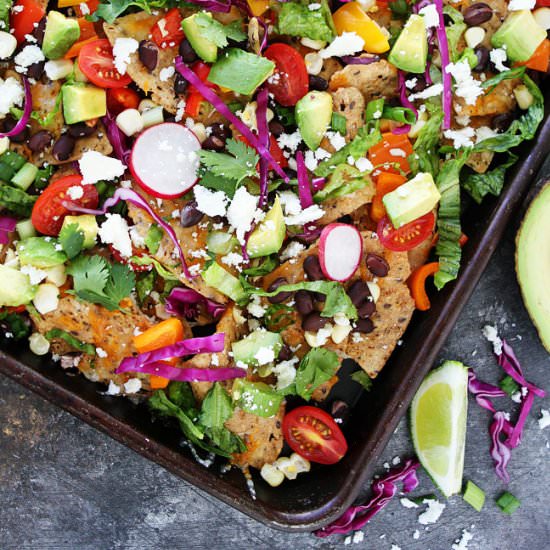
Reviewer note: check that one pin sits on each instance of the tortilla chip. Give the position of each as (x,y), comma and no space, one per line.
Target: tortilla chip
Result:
(342,206)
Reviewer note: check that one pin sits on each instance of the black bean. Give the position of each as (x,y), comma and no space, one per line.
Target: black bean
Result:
(39,141)
(63,147)
(420,83)
(80,130)
(180,84)
(190,215)
(340,411)
(36,70)
(476,14)
(148,54)
(319,297)
(502,122)
(377,265)
(282,296)
(187,52)
(482,54)
(313,270)
(221,131)
(358,292)
(366,309)
(213,143)
(9,125)
(317,83)
(285,354)
(276,128)
(304,302)
(364,325)
(39,31)
(313,322)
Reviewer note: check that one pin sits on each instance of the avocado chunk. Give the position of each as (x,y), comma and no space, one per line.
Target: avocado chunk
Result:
(41,252)
(220,279)
(411,200)
(410,51)
(268,237)
(313,116)
(82,103)
(204,48)
(85,223)
(16,288)
(258,348)
(240,71)
(61,33)
(521,35)
(533,263)
(256,397)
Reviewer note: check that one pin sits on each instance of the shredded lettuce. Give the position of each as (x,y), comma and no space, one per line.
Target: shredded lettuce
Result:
(296,19)
(318,366)
(454,31)
(71,340)
(16,200)
(14,324)
(425,156)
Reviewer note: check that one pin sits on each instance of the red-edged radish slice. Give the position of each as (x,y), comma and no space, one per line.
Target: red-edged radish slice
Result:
(340,251)
(164,160)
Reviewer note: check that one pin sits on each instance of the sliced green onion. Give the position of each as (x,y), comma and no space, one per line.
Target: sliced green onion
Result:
(374,111)
(509,385)
(474,496)
(338,123)
(508,503)
(399,114)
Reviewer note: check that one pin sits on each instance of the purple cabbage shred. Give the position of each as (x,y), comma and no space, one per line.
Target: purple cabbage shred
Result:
(184,302)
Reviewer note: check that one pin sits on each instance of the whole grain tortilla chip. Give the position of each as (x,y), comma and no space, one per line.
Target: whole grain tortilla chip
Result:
(342,206)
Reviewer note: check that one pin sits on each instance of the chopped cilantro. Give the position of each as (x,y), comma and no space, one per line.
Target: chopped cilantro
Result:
(237,165)
(71,238)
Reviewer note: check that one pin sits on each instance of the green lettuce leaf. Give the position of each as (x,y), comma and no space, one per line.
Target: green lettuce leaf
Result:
(316,367)
(296,19)
(72,341)
(16,200)
(425,157)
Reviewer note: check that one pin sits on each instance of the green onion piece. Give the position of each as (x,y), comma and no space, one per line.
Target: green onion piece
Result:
(74,342)
(374,110)
(361,377)
(509,385)
(474,496)
(508,503)
(338,123)
(399,114)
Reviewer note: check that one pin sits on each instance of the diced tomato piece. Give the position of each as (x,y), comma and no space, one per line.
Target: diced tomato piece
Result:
(167,32)
(120,99)
(24,15)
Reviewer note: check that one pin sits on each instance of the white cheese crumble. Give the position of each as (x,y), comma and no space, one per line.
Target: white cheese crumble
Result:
(211,203)
(95,167)
(241,212)
(498,56)
(133,385)
(358,537)
(114,230)
(285,371)
(113,389)
(363,164)
(336,139)
(166,73)
(407,503)
(11,93)
(291,251)
(75,192)
(430,91)
(467,86)
(517,5)
(290,141)
(310,214)
(348,43)
(462,543)
(290,203)
(264,356)
(430,15)
(28,56)
(101,352)
(416,534)
(433,513)
(544,420)
(122,49)
(35,275)
(491,334)
(460,138)
(255,307)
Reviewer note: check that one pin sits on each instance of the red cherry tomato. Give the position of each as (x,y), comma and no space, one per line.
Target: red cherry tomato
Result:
(49,212)
(120,99)
(277,152)
(313,434)
(407,236)
(92,6)
(95,60)
(24,15)
(167,32)
(117,256)
(290,81)
(194,98)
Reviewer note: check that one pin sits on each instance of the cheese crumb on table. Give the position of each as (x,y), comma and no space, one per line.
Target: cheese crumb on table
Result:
(433,513)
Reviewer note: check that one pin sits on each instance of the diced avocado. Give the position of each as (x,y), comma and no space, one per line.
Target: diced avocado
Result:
(40,252)
(87,224)
(410,51)
(533,263)
(252,348)
(313,116)
(412,199)
(220,279)
(256,397)
(25,229)
(204,48)
(521,35)
(220,242)
(83,103)
(268,237)
(16,288)
(240,71)
(61,33)
(79,76)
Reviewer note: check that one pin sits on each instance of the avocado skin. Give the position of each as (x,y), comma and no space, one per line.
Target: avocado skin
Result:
(533,263)
(61,33)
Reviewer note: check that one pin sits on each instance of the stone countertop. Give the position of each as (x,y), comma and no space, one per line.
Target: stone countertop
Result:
(65,485)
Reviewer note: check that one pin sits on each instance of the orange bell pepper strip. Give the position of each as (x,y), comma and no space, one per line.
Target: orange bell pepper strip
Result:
(77,46)
(540,60)
(417,284)
(165,333)
(392,150)
(87,29)
(385,183)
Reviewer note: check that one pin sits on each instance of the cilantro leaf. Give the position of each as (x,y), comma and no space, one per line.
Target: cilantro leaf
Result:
(216,32)
(219,183)
(90,273)
(121,282)
(71,238)
(16,200)
(239,164)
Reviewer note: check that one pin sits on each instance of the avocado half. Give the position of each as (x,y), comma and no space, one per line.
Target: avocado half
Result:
(533,263)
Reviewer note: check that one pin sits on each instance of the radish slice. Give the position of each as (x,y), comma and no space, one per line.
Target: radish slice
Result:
(164,160)
(340,251)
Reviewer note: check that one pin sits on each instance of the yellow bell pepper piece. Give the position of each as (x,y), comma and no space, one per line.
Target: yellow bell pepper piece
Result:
(68,3)
(257,7)
(351,18)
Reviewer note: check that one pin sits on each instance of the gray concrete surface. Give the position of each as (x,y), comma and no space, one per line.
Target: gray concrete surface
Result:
(63,485)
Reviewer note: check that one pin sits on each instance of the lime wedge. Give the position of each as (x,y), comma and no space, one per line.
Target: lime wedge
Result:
(438,425)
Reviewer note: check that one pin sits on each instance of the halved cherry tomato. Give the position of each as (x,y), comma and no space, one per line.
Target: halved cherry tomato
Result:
(95,60)
(290,81)
(117,256)
(24,15)
(313,434)
(277,152)
(49,211)
(393,149)
(407,236)
(167,32)
(385,183)
(120,99)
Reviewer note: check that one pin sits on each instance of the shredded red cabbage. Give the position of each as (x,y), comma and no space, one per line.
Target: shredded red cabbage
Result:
(483,392)
(129,195)
(445,60)
(191,346)
(27,109)
(7,225)
(183,302)
(304,187)
(224,110)
(213,5)
(116,138)
(500,452)
(405,129)
(359,60)
(317,184)
(263,137)
(383,489)
(189,374)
